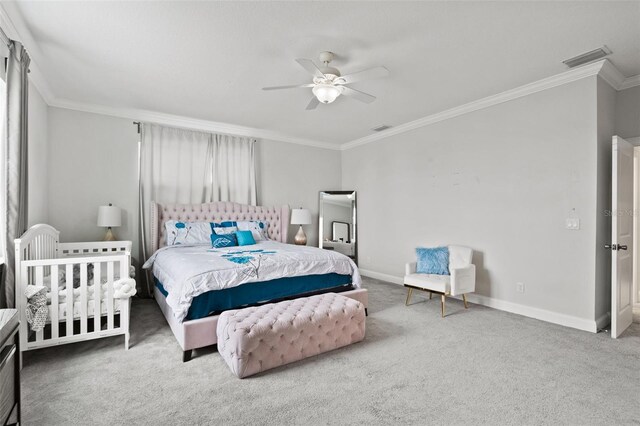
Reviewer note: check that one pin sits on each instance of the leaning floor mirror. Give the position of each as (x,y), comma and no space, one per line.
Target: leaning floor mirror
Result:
(338,222)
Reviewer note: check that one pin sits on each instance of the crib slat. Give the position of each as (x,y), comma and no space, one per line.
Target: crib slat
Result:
(39,281)
(110,295)
(125,305)
(54,302)
(21,304)
(97,288)
(83,298)
(39,276)
(69,300)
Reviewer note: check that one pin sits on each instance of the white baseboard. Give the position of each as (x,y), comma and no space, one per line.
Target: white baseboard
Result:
(515,308)
(381,276)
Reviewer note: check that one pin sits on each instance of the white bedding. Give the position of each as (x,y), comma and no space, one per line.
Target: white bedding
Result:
(189,271)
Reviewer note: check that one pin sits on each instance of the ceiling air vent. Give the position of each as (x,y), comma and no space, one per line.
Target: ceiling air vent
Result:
(585,58)
(381,128)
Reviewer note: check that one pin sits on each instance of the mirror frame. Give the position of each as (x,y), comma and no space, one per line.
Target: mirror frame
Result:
(353,229)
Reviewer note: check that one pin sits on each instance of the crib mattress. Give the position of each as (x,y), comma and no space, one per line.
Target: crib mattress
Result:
(91,308)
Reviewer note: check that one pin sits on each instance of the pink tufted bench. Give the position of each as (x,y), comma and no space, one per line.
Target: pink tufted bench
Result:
(256,339)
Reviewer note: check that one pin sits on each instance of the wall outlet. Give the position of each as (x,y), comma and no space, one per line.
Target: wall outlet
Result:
(573,223)
(520,287)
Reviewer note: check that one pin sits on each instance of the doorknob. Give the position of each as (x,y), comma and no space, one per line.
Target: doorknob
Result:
(615,247)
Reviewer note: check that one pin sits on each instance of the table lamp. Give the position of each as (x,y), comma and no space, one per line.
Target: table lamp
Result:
(108,217)
(300,217)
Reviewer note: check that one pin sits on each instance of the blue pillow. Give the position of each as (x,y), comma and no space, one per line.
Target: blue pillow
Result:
(223,240)
(245,238)
(433,260)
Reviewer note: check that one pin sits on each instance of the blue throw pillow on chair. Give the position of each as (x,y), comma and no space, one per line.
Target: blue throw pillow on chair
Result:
(433,260)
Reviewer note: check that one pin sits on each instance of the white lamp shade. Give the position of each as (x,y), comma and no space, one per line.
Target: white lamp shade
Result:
(300,217)
(109,216)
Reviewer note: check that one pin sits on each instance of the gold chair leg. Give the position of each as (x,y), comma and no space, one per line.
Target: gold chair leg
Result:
(430,295)
(464,298)
(442,304)
(406,303)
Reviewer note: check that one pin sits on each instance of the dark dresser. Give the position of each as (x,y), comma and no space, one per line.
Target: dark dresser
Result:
(9,367)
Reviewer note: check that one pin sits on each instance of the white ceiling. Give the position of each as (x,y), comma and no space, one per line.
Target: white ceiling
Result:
(209,60)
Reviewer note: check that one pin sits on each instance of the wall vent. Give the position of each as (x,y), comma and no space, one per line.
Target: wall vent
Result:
(585,58)
(381,128)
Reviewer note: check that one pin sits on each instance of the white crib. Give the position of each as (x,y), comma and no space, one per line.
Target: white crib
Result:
(75,314)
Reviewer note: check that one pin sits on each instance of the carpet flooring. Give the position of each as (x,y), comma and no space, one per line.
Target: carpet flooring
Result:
(476,366)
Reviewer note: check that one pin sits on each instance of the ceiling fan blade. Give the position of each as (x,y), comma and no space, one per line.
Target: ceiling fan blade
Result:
(356,94)
(311,67)
(287,87)
(313,103)
(368,74)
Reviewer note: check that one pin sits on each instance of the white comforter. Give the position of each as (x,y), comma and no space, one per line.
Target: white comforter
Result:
(189,271)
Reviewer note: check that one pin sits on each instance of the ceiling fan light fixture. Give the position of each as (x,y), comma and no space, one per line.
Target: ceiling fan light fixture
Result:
(326,93)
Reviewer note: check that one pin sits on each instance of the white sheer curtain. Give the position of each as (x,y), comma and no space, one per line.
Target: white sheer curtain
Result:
(185,166)
(234,174)
(176,165)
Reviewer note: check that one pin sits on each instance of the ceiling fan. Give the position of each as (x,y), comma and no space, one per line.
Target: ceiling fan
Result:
(328,83)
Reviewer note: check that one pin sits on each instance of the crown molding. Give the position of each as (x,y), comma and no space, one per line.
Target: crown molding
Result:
(187,122)
(630,82)
(509,95)
(611,75)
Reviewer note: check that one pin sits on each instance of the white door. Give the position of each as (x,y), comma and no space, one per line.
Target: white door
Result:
(622,235)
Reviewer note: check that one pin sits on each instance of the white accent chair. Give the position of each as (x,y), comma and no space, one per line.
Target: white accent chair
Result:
(461,281)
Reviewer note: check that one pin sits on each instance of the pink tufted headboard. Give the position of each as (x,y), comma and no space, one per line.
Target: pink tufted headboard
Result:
(278,218)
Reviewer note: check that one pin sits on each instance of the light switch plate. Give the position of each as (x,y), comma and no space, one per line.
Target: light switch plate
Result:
(573,223)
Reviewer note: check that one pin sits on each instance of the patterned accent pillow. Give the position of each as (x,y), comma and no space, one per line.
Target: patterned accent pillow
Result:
(433,260)
(224,240)
(178,232)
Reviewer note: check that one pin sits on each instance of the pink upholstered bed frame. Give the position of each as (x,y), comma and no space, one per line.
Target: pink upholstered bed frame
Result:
(202,332)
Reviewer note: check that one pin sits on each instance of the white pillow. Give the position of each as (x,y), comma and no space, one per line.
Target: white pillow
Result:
(220,230)
(179,232)
(258,228)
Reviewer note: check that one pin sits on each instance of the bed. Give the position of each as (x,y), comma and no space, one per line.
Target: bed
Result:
(193,315)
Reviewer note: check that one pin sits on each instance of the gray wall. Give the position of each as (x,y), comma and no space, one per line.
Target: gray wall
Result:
(627,120)
(501,180)
(295,174)
(38,158)
(94,161)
